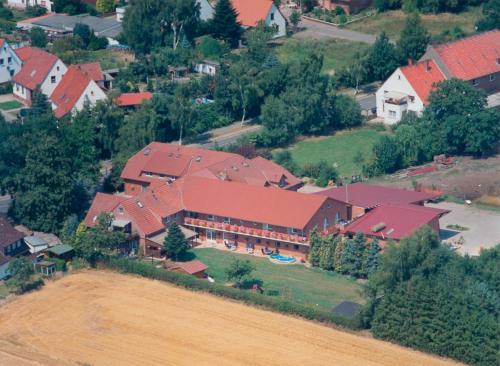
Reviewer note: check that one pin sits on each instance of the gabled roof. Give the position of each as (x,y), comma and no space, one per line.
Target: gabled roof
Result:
(471,57)
(172,160)
(132,99)
(394,221)
(258,204)
(8,234)
(193,266)
(251,12)
(102,203)
(36,66)
(369,196)
(92,70)
(423,77)
(69,90)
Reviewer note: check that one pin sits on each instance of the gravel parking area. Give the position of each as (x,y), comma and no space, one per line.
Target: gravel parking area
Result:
(483,227)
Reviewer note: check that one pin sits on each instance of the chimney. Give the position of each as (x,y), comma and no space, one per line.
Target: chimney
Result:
(410,62)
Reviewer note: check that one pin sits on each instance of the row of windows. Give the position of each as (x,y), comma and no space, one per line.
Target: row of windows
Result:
(268,227)
(13,247)
(2,61)
(491,78)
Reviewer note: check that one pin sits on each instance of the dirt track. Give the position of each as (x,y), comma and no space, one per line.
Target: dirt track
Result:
(103,318)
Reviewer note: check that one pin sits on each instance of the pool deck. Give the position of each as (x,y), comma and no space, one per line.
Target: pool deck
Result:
(239,250)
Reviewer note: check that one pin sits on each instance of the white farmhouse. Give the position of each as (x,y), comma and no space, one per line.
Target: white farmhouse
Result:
(75,90)
(40,69)
(407,90)
(21,4)
(10,63)
(251,12)
(206,10)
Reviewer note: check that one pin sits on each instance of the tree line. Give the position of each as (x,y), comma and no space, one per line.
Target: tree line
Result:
(356,257)
(427,297)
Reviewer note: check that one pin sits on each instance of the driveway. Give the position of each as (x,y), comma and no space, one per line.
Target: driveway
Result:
(315,30)
(483,227)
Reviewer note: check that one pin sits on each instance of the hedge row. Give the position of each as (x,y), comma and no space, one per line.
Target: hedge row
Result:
(251,298)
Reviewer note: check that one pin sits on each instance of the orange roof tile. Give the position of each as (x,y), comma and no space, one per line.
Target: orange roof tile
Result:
(251,12)
(92,70)
(423,77)
(102,203)
(131,99)
(472,57)
(36,65)
(69,90)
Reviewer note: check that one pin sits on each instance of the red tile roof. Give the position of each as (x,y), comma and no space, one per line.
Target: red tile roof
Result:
(92,70)
(397,221)
(36,65)
(423,76)
(131,99)
(172,160)
(369,196)
(69,90)
(248,202)
(102,203)
(8,234)
(472,57)
(193,266)
(2,41)
(251,12)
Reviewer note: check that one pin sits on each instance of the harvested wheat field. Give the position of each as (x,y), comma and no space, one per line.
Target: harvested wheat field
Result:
(105,318)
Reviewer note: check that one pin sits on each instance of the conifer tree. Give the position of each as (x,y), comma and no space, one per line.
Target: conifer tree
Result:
(327,253)
(225,23)
(338,254)
(175,243)
(315,247)
(352,258)
(371,257)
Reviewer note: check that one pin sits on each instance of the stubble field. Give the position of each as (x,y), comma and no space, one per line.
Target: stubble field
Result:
(104,318)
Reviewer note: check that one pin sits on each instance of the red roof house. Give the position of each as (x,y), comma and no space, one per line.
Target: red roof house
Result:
(74,91)
(92,70)
(251,12)
(395,221)
(423,77)
(132,99)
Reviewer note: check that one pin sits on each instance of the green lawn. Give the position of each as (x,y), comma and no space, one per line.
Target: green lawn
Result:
(339,149)
(337,53)
(392,22)
(109,59)
(11,104)
(295,282)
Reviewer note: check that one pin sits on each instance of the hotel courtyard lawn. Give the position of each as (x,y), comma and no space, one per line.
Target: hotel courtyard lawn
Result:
(297,283)
(347,150)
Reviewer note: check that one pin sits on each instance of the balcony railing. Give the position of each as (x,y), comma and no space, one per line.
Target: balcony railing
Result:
(244,230)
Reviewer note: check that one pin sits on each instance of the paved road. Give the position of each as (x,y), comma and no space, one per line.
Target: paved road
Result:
(315,30)
(483,226)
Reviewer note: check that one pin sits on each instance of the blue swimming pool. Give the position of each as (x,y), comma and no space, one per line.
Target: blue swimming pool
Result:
(282,259)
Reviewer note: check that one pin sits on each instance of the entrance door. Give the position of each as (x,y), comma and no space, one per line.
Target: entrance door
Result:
(211,235)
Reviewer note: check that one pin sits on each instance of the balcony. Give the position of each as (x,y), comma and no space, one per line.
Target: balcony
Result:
(395,98)
(248,231)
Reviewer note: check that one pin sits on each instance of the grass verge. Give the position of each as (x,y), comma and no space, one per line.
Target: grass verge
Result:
(11,104)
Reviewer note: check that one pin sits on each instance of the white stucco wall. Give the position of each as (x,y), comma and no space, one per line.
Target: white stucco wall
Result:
(21,4)
(91,95)
(58,70)
(206,10)
(279,21)
(397,83)
(21,92)
(8,69)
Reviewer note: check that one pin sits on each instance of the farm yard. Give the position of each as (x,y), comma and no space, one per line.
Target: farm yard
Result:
(292,282)
(113,319)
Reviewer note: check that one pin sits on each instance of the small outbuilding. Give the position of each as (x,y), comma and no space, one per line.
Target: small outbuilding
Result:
(195,268)
(35,244)
(46,268)
(62,251)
